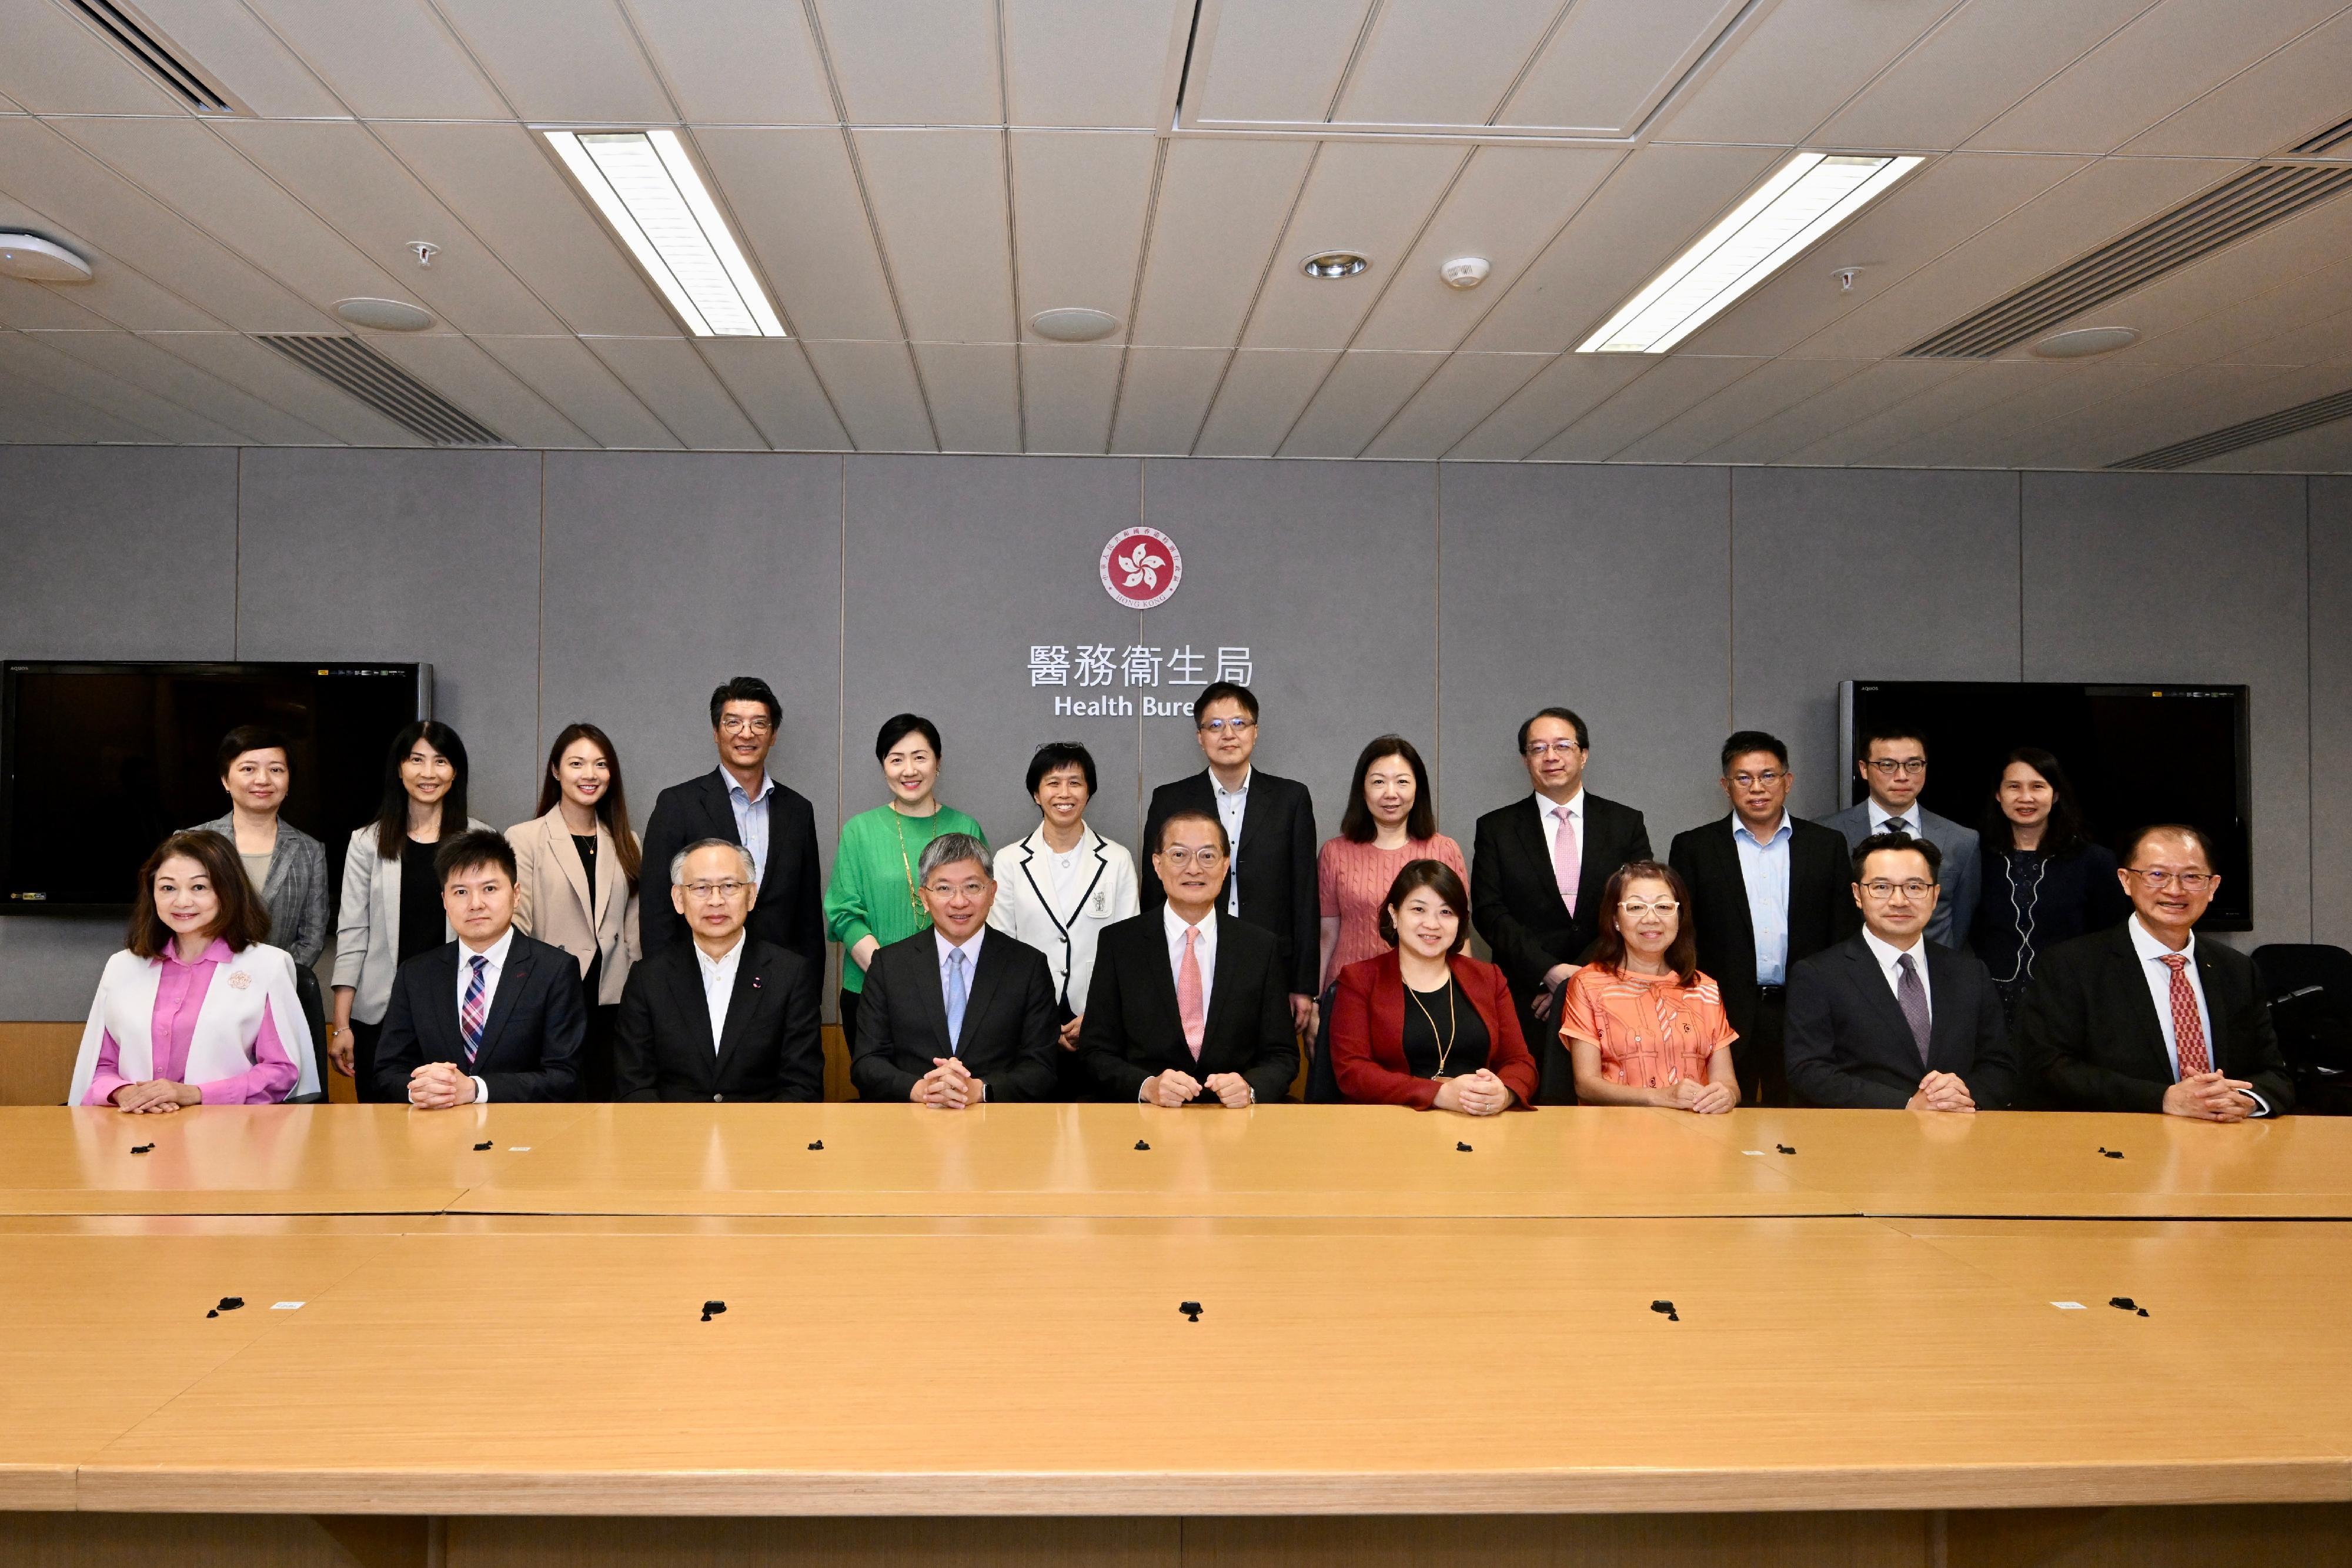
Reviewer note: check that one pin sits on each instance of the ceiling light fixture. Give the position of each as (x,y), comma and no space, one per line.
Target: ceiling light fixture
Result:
(1804,199)
(1333,264)
(38,260)
(384,315)
(1073,324)
(2084,341)
(650,193)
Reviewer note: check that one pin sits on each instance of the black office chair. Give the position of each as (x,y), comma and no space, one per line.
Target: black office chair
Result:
(2309,986)
(1322,1086)
(314,1013)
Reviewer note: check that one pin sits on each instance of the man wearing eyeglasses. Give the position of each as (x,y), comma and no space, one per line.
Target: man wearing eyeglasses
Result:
(725,1016)
(1888,1019)
(2144,1016)
(1270,823)
(740,803)
(1894,768)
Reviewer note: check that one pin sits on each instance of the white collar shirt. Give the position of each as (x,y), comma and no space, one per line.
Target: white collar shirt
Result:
(1233,805)
(719,984)
(495,953)
(1886,954)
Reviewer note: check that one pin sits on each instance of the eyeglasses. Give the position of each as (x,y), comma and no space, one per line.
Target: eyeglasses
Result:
(707,891)
(1884,890)
(1546,748)
(1182,860)
(1888,766)
(1215,726)
(1638,910)
(1768,778)
(950,889)
(2190,882)
(734,724)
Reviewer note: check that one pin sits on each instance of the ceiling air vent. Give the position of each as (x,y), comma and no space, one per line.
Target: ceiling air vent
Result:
(146,44)
(2247,432)
(2335,139)
(385,387)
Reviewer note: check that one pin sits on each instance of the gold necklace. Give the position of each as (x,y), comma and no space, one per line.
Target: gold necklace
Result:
(899,822)
(1451,1022)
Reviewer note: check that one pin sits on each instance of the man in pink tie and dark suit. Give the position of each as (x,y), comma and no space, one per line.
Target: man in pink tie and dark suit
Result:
(1189,1004)
(1536,880)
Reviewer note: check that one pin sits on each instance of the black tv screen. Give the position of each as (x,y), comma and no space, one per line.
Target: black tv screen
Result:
(2136,754)
(100,762)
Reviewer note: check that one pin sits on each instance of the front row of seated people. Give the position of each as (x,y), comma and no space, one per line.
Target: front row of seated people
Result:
(1190,1004)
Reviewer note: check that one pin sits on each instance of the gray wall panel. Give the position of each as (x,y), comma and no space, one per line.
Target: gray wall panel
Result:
(2331,710)
(2190,577)
(1598,589)
(1854,574)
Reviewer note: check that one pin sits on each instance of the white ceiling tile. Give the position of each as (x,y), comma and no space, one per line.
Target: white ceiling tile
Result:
(2176,405)
(55,64)
(2166,58)
(44,171)
(564,372)
(1090,62)
(1163,396)
(914,62)
(1972,386)
(1552,399)
(466,375)
(1264,391)
(1504,207)
(232,47)
(27,356)
(1656,202)
(1784,435)
(975,395)
(1682,383)
(939,198)
(386,58)
(1772,387)
(1611,60)
(2221,307)
(1422,65)
(2278,103)
(1464,390)
(874,386)
(1982,58)
(33,307)
(562,59)
(502,186)
(773,379)
(116,296)
(1795,68)
(806,225)
(342,173)
(672,380)
(144,363)
(1067,392)
(1079,203)
(1369,197)
(746,62)
(1361,394)
(39,415)
(283,384)
(1272,60)
(1222,205)
(1996,430)
(2320,339)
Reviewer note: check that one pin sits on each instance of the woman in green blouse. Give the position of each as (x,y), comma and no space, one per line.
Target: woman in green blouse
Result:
(872,901)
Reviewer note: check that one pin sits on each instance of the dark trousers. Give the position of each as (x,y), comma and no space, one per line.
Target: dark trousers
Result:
(1760,1056)
(849,1022)
(364,1038)
(596,1080)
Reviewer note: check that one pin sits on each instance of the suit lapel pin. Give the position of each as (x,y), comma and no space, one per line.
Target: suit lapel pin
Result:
(755,982)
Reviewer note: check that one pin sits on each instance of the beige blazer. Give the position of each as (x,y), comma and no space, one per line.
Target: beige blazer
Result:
(552,899)
(367,927)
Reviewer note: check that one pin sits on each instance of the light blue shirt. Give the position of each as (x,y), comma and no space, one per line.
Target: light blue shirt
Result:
(1764,868)
(752,818)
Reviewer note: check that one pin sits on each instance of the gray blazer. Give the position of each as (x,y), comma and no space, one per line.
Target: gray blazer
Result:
(296,893)
(1956,911)
(367,927)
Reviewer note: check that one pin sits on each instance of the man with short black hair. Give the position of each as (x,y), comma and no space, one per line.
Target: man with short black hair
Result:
(739,802)
(494,1015)
(1892,763)
(1888,1020)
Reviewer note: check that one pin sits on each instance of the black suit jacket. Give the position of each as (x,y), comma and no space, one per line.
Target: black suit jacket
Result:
(1515,904)
(530,1040)
(1275,862)
(1132,1030)
(1822,911)
(2090,1041)
(789,912)
(771,1048)
(1011,1027)
(1849,1044)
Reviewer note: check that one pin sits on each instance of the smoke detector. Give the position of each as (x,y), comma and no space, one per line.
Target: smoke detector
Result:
(1465,272)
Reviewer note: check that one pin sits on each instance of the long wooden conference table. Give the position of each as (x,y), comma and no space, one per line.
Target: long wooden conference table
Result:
(480,1336)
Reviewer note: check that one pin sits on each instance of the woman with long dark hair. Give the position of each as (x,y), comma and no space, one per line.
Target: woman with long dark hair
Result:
(576,866)
(391,901)
(1644,1027)
(1391,821)
(2044,880)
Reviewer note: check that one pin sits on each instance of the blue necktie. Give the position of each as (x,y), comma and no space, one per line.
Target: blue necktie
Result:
(471,1016)
(956,998)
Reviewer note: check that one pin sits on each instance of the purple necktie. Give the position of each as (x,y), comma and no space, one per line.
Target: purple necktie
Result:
(470,1015)
(1912,998)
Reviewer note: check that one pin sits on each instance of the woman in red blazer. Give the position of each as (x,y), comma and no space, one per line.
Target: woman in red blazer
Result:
(1424,1024)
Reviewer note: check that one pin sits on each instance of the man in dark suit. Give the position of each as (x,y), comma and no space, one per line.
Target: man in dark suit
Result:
(1186,1003)
(495,1015)
(1536,874)
(739,802)
(2144,1016)
(1269,822)
(1887,1019)
(1767,891)
(726,1016)
(958,1015)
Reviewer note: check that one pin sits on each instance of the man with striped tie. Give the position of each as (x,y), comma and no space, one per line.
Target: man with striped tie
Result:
(495,1015)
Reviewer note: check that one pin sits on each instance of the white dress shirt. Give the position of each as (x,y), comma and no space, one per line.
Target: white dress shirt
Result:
(1764,870)
(752,818)
(497,954)
(1885,953)
(1909,817)
(2159,975)
(1233,805)
(718,985)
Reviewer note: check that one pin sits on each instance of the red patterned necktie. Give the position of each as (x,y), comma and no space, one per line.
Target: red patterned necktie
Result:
(471,1014)
(2188,1031)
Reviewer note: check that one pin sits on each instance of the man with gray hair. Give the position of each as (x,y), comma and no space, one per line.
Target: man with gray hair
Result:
(724,1016)
(958,1015)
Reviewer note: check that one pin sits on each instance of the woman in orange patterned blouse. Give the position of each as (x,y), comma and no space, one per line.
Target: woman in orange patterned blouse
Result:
(1644,1026)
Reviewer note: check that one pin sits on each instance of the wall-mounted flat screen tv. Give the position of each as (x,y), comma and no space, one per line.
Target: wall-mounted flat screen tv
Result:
(99,762)
(2138,755)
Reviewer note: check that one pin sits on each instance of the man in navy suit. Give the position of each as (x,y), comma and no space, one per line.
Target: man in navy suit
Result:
(495,1015)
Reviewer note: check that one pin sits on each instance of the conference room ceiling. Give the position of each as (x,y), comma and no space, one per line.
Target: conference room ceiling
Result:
(914,181)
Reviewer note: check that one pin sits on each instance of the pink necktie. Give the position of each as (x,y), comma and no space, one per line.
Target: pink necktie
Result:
(1187,992)
(2188,1031)
(1566,863)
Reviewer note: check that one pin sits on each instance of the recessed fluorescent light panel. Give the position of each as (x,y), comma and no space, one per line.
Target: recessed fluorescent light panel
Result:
(1806,197)
(649,191)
